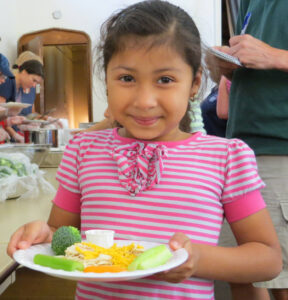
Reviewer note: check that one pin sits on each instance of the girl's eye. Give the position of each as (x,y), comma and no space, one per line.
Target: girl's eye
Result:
(127,78)
(165,79)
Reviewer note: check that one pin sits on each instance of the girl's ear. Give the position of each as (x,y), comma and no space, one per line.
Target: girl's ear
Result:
(196,83)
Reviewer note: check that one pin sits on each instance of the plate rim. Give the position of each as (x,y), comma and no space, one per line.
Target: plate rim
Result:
(103,277)
(19,104)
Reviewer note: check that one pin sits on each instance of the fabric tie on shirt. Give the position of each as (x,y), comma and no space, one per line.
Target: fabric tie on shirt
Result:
(140,165)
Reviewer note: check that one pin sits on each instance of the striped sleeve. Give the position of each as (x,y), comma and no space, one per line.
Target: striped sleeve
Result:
(244,206)
(67,200)
(67,173)
(241,171)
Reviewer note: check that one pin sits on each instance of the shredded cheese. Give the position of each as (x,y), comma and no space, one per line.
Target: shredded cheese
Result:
(121,256)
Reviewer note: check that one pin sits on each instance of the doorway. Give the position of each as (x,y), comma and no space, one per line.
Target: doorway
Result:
(67,63)
(65,82)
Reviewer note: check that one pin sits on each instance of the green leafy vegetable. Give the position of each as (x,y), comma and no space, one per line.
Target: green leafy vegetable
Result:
(63,238)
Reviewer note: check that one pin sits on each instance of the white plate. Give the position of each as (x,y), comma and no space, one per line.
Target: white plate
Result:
(25,258)
(15,105)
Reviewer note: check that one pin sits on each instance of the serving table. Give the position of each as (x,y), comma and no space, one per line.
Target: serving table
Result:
(13,214)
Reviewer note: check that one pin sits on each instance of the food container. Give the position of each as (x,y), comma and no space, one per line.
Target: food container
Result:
(36,153)
(102,238)
(41,136)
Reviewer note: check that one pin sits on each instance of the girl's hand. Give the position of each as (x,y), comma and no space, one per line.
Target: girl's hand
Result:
(188,268)
(35,232)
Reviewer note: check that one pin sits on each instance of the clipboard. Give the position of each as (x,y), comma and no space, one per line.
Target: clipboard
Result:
(225,56)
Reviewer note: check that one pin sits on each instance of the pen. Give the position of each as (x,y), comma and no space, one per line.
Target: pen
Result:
(245,23)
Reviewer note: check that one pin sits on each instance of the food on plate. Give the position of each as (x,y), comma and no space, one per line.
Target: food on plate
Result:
(151,258)
(105,269)
(89,257)
(99,237)
(59,263)
(64,237)
(92,255)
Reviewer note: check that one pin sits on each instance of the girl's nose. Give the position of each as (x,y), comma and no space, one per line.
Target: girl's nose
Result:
(145,98)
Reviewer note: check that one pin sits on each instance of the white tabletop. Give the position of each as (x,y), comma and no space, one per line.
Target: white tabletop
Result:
(14,213)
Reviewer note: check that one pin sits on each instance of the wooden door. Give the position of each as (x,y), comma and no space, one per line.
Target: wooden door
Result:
(37,42)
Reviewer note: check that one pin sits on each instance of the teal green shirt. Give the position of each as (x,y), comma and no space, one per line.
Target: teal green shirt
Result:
(258,111)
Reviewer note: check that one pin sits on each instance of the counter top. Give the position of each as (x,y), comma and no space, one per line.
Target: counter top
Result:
(14,213)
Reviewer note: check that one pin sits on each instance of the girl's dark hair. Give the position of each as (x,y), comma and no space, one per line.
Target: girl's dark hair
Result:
(169,24)
(32,67)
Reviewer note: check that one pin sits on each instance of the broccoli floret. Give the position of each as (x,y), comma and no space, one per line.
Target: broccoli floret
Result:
(63,238)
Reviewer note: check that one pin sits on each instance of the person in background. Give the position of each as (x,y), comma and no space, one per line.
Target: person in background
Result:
(6,115)
(36,69)
(222,106)
(258,111)
(213,124)
(28,71)
(123,178)
(2,78)
(4,69)
(27,74)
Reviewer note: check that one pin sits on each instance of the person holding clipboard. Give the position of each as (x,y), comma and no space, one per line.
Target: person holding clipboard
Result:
(258,114)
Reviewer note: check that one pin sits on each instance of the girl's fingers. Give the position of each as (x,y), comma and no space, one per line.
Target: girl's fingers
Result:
(178,241)
(29,234)
(185,270)
(14,240)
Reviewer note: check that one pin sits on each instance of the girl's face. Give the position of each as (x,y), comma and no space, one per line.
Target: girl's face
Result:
(27,81)
(148,92)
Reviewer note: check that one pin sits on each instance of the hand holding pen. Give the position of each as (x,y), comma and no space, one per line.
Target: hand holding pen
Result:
(252,52)
(223,52)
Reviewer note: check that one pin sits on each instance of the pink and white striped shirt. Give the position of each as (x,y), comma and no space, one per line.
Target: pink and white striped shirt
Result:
(194,184)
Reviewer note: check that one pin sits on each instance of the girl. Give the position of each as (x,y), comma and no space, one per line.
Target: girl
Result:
(152,180)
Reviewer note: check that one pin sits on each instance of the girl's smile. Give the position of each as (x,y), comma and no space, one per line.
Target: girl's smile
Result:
(148,91)
(145,121)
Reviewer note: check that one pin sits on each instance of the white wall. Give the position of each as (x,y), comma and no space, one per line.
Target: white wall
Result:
(19,17)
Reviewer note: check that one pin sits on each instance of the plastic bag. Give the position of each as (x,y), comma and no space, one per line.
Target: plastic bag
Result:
(20,178)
